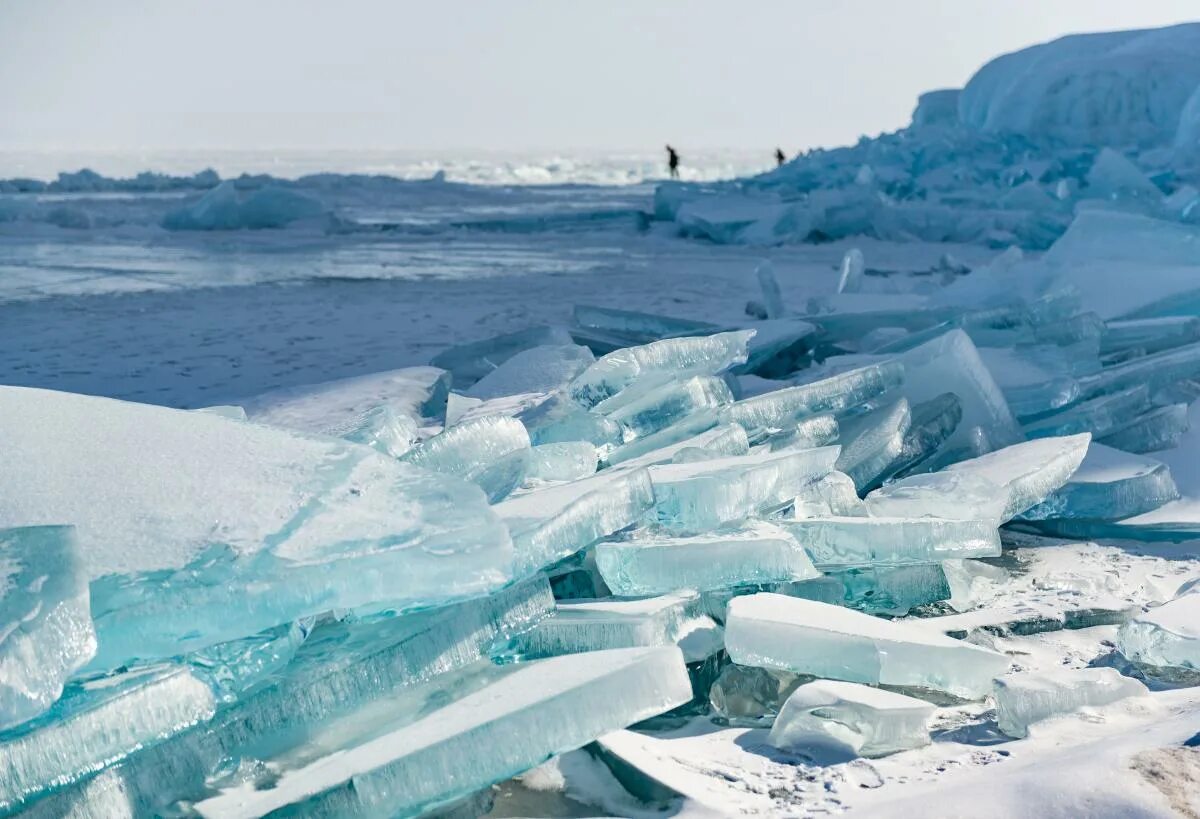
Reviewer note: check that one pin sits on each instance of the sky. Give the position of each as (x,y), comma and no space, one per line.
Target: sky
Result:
(503,76)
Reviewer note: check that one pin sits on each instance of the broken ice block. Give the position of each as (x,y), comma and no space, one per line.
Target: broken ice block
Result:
(779,409)
(568,461)
(595,625)
(1023,699)
(752,553)
(551,523)
(807,637)
(231,528)
(661,446)
(413,391)
(530,712)
(558,419)
(772,297)
(847,542)
(230,669)
(627,327)
(670,403)
(1010,480)
(1156,430)
(932,424)
(890,590)
(470,362)
(1112,176)
(545,368)
(842,719)
(46,630)
(809,433)
(719,442)
(1109,485)
(1155,371)
(96,723)
(674,357)
(1150,335)
(697,497)
(1166,635)
(1099,416)
(381,428)
(850,275)
(779,347)
(832,495)
(478,451)
(872,442)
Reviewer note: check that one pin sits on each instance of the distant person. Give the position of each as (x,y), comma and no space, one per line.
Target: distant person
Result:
(779,157)
(673,162)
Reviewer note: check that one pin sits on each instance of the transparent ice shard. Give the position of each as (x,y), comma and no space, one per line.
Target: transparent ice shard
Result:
(568,461)
(699,431)
(551,523)
(725,440)
(382,428)
(96,723)
(630,327)
(414,391)
(698,497)
(808,637)
(541,369)
(1023,699)
(46,631)
(558,419)
(674,357)
(850,275)
(1008,481)
(932,424)
(1112,176)
(596,625)
(890,590)
(1099,416)
(847,542)
(872,442)
(750,696)
(772,297)
(526,715)
(1150,335)
(832,719)
(751,553)
(833,495)
(230,669)
(1154,431)
(1166,635)
(1155,371)
(470,362)
(479,451)
(231,528)
(951,363)
(781,408)
(1109,485)
(670,403)
(809,433)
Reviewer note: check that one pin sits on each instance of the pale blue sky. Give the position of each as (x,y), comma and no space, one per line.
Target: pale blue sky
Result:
(522,74)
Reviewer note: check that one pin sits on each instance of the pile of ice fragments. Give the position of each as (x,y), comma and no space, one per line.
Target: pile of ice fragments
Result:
(382,595)
(1007,160)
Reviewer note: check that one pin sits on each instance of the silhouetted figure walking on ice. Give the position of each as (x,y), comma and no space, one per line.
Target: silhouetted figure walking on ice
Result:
(673,162)
(779,157)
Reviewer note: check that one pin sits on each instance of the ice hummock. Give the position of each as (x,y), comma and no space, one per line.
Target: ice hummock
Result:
(46,631)
(809,637)
(827,718)
(1024,698)
(511,723)
(1166,635)
(306,524)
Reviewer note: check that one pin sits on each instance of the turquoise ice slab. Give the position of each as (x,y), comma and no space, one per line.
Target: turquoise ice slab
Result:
(1099,416)
(597,625)
(809,433)
(196,529)
(807,637)
(1159,429)
(550,523)
(931,425)
(845,719)
(479,450)
(751,553)
(639,328)
(697,431)
(782,408)
(342,666)
(700,496)
(470,362)
(97,723)
(850,542)
(1151,335)
(381,428)
(1025,698)
(527,714)
(46,630)
(568,461)
(670,403)
(1109,485)
(1166,635)
(1155,371)
(996,486)
(873,442)
(537,370)
(673,357)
